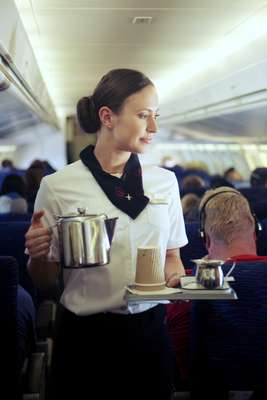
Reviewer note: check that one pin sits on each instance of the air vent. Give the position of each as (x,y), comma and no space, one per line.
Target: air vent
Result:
(142,20)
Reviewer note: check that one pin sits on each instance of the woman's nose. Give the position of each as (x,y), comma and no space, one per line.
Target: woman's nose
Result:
(152,125)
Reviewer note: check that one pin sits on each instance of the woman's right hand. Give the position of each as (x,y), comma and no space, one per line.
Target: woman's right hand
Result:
(38,238)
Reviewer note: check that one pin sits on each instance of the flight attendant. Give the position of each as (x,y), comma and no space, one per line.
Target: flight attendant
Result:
(103,344)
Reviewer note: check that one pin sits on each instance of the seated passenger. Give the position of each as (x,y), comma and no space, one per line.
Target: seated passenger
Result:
(192,182)
(190,203)
(233,176)
(218,181)
(26,329)
(227,224)
(48,169)
(33,176)
(258,177)
(7,165)
(198,168)
(13,195)
(229,232)
(168,162)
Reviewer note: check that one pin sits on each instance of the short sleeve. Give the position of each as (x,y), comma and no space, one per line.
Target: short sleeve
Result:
(177,236)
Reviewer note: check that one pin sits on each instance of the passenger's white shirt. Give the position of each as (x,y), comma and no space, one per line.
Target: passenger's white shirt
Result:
(13,205)
(100,289)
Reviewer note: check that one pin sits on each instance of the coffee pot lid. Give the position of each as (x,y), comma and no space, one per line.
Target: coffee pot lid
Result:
(81,213)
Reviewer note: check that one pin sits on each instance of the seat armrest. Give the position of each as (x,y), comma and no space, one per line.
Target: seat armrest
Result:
(46,346)
(34,381)
(31,396)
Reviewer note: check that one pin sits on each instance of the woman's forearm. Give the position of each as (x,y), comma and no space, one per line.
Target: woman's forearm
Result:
(44,273)
(174,268)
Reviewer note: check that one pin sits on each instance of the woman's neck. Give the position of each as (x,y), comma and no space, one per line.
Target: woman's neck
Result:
(111,160)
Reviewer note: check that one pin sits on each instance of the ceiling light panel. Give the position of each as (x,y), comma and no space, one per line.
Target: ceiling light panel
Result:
(63,4)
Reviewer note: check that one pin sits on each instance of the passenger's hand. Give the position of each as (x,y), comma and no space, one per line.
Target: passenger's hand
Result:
(38,238)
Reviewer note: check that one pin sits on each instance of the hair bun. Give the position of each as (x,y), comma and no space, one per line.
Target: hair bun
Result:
(87,115)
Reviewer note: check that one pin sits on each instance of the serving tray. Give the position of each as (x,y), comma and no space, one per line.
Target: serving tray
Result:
(185,292)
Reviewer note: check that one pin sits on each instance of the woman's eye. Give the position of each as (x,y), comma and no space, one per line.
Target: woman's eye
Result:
(147,115)
(143,115)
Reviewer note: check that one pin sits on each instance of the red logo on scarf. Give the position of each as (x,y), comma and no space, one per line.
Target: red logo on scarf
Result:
(119,192)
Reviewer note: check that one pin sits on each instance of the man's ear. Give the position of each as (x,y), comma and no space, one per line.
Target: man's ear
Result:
(106,117)
(207,241)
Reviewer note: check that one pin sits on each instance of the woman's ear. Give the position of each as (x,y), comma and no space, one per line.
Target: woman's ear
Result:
(105,116)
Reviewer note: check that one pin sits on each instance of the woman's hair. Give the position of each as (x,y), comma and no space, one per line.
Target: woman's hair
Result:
(112,90)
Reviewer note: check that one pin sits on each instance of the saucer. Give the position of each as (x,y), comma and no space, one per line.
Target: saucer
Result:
(189,283)
(148,287)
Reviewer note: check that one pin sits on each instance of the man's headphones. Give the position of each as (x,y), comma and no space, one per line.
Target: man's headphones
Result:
(202,215)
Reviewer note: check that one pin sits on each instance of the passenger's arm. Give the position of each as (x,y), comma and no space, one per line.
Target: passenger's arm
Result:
(43,272)
(174,268)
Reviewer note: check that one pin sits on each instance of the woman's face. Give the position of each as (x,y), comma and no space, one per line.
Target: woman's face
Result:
(135,125)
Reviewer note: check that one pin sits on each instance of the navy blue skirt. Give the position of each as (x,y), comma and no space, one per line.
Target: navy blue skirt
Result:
(106,354)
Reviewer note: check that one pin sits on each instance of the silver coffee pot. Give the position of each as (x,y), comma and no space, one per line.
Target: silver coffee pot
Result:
(85,239)
(209,273)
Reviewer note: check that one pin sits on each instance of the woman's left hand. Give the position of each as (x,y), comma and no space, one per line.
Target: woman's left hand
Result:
(173,280)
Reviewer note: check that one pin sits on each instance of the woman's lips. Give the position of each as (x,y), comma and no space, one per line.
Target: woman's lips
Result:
(147,139)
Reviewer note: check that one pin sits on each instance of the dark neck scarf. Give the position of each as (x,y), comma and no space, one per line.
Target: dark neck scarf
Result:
(126,193)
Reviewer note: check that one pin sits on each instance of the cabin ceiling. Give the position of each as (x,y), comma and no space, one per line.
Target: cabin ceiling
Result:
(76,42)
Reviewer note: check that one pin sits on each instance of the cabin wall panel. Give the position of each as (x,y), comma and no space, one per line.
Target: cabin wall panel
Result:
(15,42)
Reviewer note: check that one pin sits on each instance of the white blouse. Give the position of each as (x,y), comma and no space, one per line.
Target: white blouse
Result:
(161,223)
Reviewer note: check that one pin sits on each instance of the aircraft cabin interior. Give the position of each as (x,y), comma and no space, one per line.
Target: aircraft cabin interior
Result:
(208,63)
